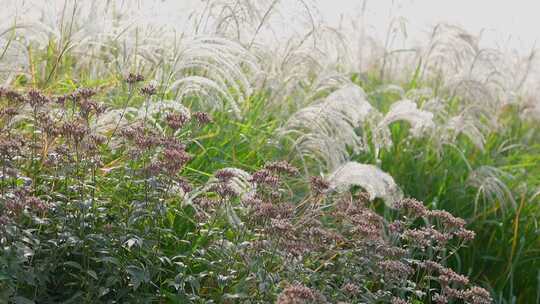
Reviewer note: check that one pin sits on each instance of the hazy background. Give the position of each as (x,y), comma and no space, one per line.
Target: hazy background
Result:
(515,22)
(504,23)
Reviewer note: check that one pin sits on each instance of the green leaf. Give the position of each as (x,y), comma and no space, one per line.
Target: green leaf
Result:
(107,259)
(73,264)
(137,276)
(93,274)
(22,300)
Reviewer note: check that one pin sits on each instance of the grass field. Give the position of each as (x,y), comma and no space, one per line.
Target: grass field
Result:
(221,161)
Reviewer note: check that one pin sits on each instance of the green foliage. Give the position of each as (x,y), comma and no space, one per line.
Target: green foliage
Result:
(506,226)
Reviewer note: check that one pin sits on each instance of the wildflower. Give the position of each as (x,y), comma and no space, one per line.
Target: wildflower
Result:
(395,270)
(97,139)
(14,96)
(89,106)
(265,177)
(225,175)
(168,142)
(396,300)
(184,184)
(396,226)
(58,154)
(10,112)
(266,210)
(296,294)
(224,190)
(412,206)
(4,220)
(154,168)
(83,93)
(37,99)
(295,248)
(367,230)
(35,203)
(318,185)
(351,289)
(206,203)
(425,237)
(251,200)
(281,226)
(176,120)
(440,299)
(14,206)
(48,125)
(175,159)
(281,167)
(148,90)
(392,251)
(431,266)
(321,235)
(10,145)
(134,78)
(367,223)
(447,276)
(143,139)
(464,234)
(447,219)
(453,293)
(75,130)
(477,295)
(61,100)
(202,118)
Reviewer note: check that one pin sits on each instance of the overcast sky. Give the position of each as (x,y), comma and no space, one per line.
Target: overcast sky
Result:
(518,20)
(511,23)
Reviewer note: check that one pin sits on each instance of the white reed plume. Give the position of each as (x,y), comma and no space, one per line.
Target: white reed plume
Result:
(377,183)
(469,124)
(490,184)
(215,70)
(327,130)
(531,107)
(407,110)
(239,183)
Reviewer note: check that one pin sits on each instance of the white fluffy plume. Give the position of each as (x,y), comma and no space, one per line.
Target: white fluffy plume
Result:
(490,184)
(216,70)
(407,110)
(326,131)
(377,183)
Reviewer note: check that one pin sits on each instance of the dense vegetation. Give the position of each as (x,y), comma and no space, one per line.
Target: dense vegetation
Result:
(141,166)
